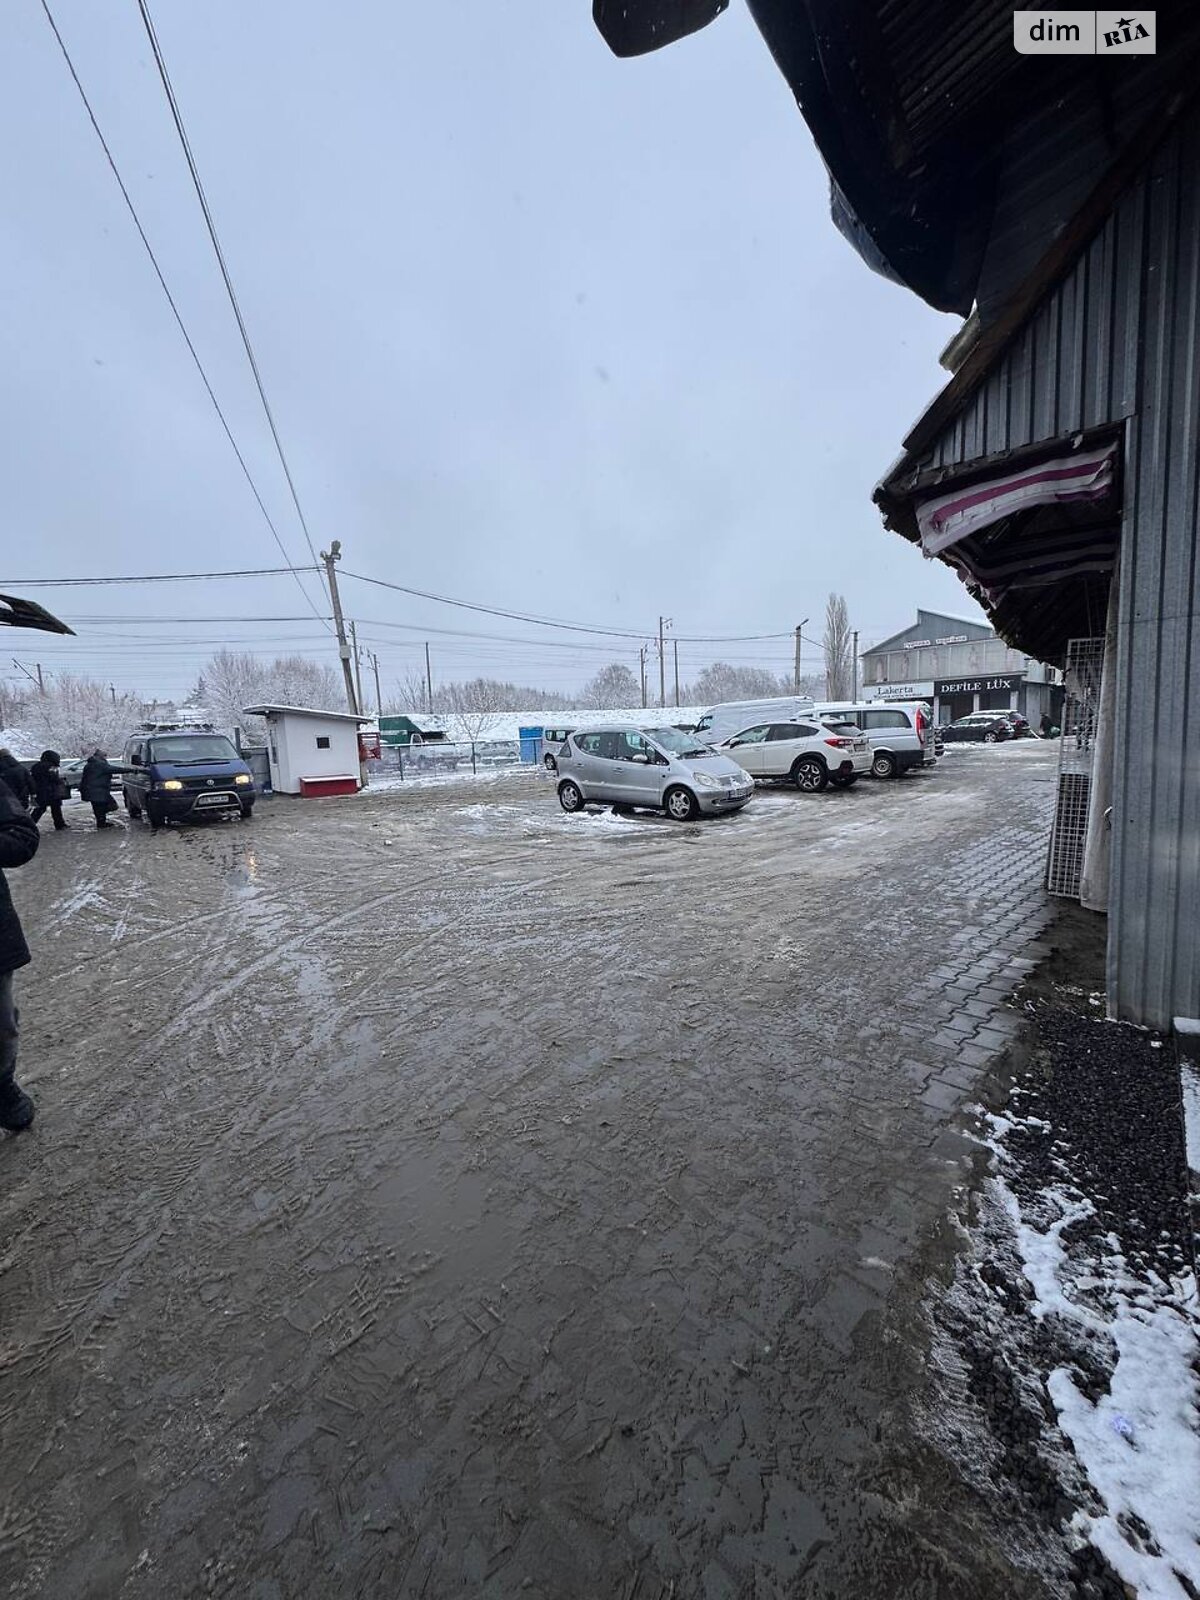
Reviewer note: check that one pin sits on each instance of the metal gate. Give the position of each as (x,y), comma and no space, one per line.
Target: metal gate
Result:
(1076,753)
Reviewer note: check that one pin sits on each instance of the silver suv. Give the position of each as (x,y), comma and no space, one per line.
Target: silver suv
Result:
(660,767)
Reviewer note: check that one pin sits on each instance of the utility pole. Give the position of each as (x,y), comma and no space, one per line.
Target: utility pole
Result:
(796,677)
(41,685)
(378,693)
(854,666)
(642,673)
(112,689)
(428,682)
(358,699)
(330,558)
(675,642)
(663,623)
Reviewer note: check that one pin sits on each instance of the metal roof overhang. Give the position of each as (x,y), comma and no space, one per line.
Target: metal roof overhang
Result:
(1041,573)
(18,613)
(906,100)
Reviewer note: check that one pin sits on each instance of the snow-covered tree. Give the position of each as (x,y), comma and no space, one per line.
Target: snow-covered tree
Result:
(722,682)
(614,687)
(235,679)
(78,715)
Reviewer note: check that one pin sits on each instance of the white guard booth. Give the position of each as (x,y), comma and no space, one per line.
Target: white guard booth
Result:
(312,752)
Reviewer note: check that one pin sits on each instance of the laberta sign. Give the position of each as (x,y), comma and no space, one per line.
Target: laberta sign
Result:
(1010,680)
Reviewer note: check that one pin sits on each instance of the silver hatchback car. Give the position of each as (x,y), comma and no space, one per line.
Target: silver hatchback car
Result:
(660,767)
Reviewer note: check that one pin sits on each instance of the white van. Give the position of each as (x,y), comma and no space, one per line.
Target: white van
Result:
(901,733)
(723,721)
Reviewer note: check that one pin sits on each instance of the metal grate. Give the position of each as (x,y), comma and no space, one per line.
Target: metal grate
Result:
(1081,708)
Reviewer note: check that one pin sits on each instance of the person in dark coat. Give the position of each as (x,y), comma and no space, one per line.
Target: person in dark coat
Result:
(1046,725)
(16,776)
(95,786)
(49,789)
(18,844)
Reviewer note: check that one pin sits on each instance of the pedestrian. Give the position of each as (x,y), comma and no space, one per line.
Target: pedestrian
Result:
(16,775)
(49,789)
(18,844)
(95,786)
(1046,725)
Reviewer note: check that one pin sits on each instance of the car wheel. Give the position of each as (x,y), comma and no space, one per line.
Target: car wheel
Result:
(248,812)
(131,806)
(989,738)
(570,796)
(884,765)
(680,804)
(550,764)
(810,774)
(154,814)
(622,810)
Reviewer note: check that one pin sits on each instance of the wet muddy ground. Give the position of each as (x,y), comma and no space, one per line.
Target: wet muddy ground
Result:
(434,1194)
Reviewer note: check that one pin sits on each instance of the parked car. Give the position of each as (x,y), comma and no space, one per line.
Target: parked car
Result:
(656,767)
(900,733)
(723,721)
(178,776)
(811,754)
(980,727)
(552,741)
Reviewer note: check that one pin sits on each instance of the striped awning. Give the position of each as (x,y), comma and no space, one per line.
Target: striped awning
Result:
(1084,475)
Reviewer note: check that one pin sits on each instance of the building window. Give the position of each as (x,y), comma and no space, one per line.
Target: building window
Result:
(322,741)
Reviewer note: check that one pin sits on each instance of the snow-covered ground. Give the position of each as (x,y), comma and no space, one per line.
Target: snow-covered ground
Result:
(1138,1440)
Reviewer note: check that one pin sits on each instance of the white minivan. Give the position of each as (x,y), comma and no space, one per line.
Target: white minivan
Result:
(901,734)
(723,721)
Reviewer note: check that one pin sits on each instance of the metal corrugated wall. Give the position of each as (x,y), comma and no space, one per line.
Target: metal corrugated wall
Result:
(1119,340)
(1154,901)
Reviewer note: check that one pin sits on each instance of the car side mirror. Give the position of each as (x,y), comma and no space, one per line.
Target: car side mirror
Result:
(641,756)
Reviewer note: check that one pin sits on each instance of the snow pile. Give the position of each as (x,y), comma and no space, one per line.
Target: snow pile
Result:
(1191,1113)
(1139,1442)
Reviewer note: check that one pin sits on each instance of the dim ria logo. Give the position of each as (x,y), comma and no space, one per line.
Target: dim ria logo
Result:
(1084,33)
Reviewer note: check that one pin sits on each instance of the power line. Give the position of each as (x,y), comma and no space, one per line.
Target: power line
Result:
(177,117)
(558,622)
(87,105)
(160,577)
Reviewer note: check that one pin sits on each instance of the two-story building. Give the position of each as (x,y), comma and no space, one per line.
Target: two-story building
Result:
(961,666)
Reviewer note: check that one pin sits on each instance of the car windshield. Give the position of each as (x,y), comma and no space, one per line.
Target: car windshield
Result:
(679,744)
(193,749)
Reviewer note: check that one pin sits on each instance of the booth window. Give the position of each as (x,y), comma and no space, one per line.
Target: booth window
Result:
(322,741)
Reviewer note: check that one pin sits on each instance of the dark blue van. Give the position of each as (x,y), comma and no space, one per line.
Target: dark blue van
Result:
(182,775)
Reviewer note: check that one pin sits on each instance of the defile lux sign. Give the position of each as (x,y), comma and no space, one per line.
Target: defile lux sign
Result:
(1009,681)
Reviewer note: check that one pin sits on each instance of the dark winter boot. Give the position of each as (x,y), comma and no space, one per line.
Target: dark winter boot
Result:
(16,1108)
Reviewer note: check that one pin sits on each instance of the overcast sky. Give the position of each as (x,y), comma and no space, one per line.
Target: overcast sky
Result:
(542,329)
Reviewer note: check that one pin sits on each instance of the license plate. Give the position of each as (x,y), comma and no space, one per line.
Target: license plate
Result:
(213,800)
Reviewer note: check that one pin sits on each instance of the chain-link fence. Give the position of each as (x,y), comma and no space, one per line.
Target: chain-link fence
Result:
(444,759)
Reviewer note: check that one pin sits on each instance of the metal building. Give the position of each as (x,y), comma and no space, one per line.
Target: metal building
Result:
(1054,202)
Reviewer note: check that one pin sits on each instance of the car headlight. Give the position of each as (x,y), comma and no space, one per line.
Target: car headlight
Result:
(707,780)
(242,777)
(172,783)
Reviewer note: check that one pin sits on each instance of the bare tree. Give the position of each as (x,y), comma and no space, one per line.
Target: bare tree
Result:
(410,696)
(474,708)
(837,648)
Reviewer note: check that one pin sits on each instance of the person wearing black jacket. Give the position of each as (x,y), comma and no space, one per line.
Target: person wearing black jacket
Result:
(16,776)
(18,844)
(49,790)
(95,786)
